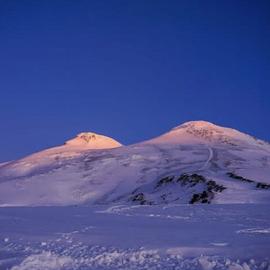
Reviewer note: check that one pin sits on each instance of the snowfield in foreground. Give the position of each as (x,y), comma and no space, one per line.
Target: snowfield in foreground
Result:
(207,237)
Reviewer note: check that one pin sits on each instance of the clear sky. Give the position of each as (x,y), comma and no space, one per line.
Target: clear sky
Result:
(130,69)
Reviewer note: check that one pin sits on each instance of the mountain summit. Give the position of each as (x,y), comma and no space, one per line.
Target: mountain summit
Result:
(93,141)
(206,132)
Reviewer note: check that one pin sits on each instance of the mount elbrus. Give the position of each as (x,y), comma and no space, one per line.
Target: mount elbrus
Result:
(196,162)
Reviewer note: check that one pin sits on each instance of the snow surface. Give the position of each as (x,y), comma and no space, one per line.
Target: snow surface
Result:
(95,204)
(136,237)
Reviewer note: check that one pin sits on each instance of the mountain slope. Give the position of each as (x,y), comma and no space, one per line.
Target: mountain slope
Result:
(196,162)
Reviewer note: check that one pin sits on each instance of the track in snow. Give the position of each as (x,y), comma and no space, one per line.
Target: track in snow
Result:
(210,156)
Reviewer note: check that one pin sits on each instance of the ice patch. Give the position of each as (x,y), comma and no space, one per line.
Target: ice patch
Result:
(255,230)
(220,244)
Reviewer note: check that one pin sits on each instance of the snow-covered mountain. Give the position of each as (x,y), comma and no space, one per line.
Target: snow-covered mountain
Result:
(196,162)
(90,140)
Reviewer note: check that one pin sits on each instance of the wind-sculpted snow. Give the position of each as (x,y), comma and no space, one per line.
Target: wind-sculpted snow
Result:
(83,172)
(115,259)
(206,237)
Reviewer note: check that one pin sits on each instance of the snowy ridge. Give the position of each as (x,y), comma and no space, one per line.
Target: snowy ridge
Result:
(92,168)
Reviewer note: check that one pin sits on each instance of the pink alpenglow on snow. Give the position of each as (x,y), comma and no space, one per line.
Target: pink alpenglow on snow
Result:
(92,140)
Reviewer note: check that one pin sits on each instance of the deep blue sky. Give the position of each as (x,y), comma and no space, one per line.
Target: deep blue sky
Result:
(130,69)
